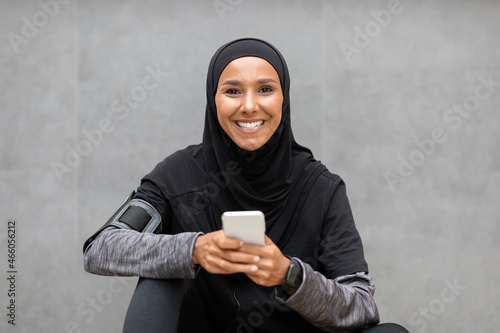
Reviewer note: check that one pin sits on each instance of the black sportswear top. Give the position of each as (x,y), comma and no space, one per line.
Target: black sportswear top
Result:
(325,237)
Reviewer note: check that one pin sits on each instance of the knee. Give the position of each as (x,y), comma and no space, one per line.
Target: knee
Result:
(155,306)
(396,328)
(386,328)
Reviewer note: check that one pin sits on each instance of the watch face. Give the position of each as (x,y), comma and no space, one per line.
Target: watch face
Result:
(294,276)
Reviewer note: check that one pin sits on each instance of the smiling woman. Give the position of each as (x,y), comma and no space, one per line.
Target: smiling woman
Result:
(249,101)
(310,276)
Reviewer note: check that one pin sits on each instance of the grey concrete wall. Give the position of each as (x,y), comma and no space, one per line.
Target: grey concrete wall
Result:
(400,106)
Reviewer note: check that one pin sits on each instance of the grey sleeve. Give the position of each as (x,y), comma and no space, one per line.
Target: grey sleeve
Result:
(124,252)
(335,305)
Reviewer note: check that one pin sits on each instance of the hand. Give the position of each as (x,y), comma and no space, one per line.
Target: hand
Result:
(272,266)
(218,254)
(221,255)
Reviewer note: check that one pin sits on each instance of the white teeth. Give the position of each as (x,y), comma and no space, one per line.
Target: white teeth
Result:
(250,126)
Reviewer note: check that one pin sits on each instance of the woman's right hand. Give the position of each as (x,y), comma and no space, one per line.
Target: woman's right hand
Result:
(218,254)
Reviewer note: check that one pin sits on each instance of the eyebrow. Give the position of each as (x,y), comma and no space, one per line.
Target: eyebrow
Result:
(236,82)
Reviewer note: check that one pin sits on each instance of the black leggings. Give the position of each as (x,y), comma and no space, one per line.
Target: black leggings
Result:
(385,328)
(164,306)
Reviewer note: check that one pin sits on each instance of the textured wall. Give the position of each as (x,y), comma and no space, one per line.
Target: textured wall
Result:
(400,98)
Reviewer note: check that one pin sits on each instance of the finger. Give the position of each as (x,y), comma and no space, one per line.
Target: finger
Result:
(221,266)
(250,248)
(233,256)
(266,265)
(228,243)
(239,257)
(263,278)
(261,251)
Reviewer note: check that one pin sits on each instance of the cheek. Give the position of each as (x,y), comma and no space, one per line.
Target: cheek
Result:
(225,108)
(277,110)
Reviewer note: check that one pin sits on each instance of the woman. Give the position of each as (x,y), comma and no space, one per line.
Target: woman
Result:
(310,276)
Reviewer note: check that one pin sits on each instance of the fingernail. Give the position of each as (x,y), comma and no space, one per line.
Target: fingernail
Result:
(254,268)
(256,258)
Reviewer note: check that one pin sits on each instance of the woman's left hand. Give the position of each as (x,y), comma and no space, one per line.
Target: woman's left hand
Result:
(272,266)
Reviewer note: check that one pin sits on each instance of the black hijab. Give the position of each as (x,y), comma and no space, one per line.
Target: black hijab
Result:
(275,178)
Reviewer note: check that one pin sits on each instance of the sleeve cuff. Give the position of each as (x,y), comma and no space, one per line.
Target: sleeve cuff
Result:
(191,269)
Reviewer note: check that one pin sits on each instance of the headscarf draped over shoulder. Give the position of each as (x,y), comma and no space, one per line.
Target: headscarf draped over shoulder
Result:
(277,177)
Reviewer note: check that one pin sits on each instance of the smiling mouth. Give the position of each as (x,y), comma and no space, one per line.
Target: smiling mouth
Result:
(250,126)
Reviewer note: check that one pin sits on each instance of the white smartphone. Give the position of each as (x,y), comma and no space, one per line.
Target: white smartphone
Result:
(249,226)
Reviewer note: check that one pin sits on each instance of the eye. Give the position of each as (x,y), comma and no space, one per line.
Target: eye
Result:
(232,91)
(265,90)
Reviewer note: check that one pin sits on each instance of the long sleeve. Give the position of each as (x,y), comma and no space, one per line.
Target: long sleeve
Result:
(335,305)
(123,252)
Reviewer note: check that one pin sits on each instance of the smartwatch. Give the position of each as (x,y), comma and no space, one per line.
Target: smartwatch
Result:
(293,277)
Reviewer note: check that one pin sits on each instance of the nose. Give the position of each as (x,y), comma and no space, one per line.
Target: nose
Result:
(250,103)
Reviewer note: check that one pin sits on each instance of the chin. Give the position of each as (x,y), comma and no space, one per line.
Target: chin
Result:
(249,146)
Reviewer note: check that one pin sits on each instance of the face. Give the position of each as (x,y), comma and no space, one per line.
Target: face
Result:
(249,101)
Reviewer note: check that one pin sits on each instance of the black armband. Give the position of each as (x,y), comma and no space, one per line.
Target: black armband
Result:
(134,214)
